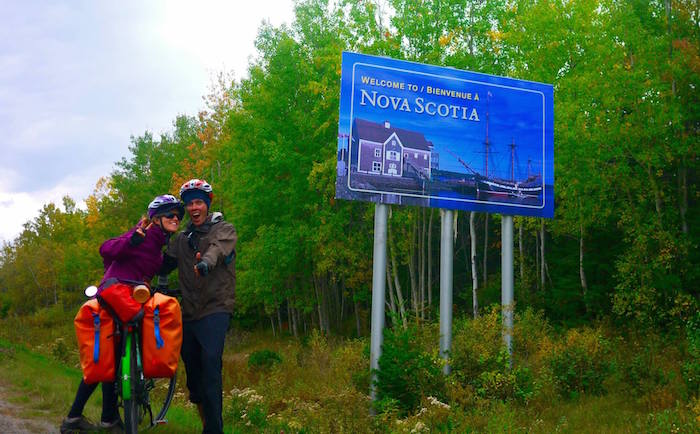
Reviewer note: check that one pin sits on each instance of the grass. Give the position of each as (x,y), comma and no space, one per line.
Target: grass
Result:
(320,384)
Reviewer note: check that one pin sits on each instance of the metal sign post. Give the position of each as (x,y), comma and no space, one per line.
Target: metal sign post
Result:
(381,212)
(507,282)
(446,263)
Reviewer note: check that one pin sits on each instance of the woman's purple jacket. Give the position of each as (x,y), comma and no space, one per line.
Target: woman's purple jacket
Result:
(136,263)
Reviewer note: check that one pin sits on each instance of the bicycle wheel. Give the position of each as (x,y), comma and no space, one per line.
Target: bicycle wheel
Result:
(131,416)
(132,410)
(161,393)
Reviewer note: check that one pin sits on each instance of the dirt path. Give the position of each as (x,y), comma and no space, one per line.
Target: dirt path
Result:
(12,423)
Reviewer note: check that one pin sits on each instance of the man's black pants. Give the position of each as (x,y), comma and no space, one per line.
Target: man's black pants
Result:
(202,349)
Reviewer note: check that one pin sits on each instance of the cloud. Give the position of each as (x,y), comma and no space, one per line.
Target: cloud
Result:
(78,79)
(22,207)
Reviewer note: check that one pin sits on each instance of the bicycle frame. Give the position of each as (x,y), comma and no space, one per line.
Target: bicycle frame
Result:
(132,387)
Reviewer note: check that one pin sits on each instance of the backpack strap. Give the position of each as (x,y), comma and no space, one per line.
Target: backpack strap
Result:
(96,348)
(156,328)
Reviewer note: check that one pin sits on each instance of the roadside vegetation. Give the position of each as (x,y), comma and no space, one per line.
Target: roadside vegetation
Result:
(589,379)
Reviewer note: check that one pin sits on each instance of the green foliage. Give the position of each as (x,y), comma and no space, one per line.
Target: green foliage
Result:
(691,367)
(264,359)
(479,360)
(644,371)
(581,363)
(245,409)
(406,374)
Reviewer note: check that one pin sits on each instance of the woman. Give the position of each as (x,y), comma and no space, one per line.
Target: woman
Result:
(136,255)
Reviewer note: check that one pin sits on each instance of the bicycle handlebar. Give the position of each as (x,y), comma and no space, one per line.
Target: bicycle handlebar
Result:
(167,291)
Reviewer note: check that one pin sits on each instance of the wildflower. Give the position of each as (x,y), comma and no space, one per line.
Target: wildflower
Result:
(438,403)
(420,427)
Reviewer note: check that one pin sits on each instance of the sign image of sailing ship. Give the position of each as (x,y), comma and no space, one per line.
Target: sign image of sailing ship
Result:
(530,187)
(485,185)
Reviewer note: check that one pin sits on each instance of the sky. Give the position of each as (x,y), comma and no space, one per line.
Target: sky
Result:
(78,79)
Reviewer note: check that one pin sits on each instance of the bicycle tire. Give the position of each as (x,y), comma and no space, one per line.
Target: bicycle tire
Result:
(131,417)
(167,399)
(147,395)
(131,406)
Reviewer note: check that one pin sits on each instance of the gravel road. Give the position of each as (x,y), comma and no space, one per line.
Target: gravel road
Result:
(12,423)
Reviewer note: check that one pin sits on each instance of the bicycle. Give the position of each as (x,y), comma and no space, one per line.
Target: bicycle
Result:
(138,395)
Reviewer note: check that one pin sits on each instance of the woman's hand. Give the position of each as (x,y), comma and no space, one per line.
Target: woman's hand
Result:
(140,233)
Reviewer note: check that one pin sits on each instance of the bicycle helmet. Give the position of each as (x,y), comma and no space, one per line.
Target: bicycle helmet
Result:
(196,189)
(164,203)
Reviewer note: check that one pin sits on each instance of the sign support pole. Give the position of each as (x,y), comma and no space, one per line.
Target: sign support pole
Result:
(507,283)
(446,266)
(381,212)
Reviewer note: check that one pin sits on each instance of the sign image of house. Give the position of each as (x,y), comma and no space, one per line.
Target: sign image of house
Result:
(384,150)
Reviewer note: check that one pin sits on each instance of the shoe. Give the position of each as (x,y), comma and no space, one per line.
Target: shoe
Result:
(77,425)
(116,426)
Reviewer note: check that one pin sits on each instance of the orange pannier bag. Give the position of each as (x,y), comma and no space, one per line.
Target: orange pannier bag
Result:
(161,336)
(94,328)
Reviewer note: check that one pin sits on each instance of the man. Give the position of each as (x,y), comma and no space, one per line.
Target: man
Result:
(204,255)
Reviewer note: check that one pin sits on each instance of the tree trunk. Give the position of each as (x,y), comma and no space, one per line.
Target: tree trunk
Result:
(320,304)
(290,320)
(430,262)
(520,250)
(397,284)
(542,261)
(537,258)
(472,254)
(279,318)
(390,287)
(486,248)
(341,294)
(467,256)
(422,261)
(326,295)
(358,325)
(272,324)
(657,194)
(683,200)
(412,269)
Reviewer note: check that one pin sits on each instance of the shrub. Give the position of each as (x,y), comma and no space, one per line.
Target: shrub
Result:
(406,373)
(642,374)
(263,359)
(477,346)
(246,408)
(691,367)
(581,363)
(60,351)
(481,362)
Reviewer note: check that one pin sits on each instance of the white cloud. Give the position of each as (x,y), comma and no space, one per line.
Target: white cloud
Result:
(77,81)
(21,207)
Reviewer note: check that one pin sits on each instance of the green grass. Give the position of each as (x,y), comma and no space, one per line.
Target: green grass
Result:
(320,384)
(44,388)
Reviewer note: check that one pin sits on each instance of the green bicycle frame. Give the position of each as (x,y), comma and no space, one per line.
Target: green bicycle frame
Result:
(126,368)
(126,364)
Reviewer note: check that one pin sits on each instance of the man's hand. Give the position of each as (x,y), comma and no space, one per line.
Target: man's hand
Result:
(201,268)
(140,233)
